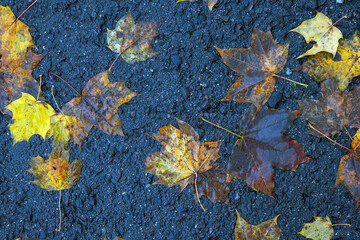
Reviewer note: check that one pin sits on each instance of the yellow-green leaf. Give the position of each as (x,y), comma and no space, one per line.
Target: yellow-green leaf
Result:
(320,29)
(320,229)
(30,116)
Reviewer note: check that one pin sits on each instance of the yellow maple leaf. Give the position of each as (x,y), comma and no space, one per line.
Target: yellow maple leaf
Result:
(30,116)
(15,39)
(322,66)
(209,3)
(268,230)
(55,173)
(321,30)
(320,229)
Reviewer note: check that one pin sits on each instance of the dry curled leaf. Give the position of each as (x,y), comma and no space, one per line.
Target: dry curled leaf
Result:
(209,3)
(349,169)
(257,66)
(320,29)
(333,111)
(268,230)
(343,68)
(320,229)
(99,103)
(184,160)
(263,148)
(132,40)
(55,173)
(30,116)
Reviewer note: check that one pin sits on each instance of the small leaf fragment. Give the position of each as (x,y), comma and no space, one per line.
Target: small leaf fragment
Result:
(209,3)
(268,230)
(30,116)
(132,40)
(320,29)
(320,229)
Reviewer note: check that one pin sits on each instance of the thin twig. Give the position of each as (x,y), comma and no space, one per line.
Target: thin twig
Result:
(288,79)
(66,83)
(59,229)
(322,134)
(57,105)
(216,125)
(197,193)
(37,98)
(348,133)
(25,10)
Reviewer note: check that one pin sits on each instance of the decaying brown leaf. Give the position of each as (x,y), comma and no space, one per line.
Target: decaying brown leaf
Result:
(132,40)
(99,103)
(263,148)
(349,169)
(209,3)
(268,230)
(343,68)
(184,160)
(334,110)
(257,66)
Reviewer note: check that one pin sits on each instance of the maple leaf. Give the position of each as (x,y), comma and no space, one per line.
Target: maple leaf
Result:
(320,229)
(98,104)
(257,66)
(209,3)
(184,160)
(268,230)
(263,148)
(349,169)
(30,116)
(333,111)
(320,29)
(63,128)
(132,40)
(344,68)
(15,39)
(55,173)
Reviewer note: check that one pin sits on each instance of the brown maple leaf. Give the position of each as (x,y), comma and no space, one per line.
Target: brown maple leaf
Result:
(184,160)
(257,66)
(263,148)
(349,169)
(98,104)
(333,111)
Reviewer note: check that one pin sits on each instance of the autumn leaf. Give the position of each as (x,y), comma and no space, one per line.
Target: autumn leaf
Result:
(117,238)
(210,3)
(98,105)
(268,230)
(320,229)
(30,116)
(184,160)
(333,111)
(256,66)
(320,29)
(55,173)
(349,169)
(15,39)
(343,68)
(263,148)
(132,40)
(63,128)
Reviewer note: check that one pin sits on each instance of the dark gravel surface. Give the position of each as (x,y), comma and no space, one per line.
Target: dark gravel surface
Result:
(114,197)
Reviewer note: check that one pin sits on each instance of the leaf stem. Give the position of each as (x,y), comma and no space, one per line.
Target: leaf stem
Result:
(115,61)
(37,98)
(66,83)
(341,224)
(322,134)
(25,10)
(57,105)
(197,193)
(59,229)
(216,125)
(339,20)
(288,79)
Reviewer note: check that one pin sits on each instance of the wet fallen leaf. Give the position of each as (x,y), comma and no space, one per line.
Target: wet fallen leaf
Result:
(268,230)
(209,3)
(320,29)
(343,68)
(99,103)
(55,173)
(333,111)
(320,229)
(257,66)
(30,116)
(349,169)
(263,148)
(132,39)
(15,39)
(184,160)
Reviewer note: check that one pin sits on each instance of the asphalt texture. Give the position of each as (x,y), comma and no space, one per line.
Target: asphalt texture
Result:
(114,197)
